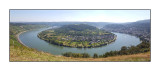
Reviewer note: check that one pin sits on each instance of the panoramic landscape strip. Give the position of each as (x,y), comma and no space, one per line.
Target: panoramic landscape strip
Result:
(80,41)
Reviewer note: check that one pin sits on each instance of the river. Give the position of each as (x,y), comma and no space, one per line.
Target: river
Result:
(31,40)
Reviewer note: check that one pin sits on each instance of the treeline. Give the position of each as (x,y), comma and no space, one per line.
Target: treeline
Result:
(141,48)
(76,55)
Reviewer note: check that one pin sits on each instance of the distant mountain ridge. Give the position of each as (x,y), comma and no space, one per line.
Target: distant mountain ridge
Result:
(96,24)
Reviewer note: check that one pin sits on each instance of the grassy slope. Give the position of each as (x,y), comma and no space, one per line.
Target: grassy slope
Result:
(19,52)
(28,54)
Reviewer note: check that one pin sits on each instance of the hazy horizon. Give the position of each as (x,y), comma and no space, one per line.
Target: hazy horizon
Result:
(80,21)
(113,16)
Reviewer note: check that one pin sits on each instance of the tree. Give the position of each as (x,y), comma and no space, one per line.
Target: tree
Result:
(95,55)
(85,55)
(67,54)
(124,48)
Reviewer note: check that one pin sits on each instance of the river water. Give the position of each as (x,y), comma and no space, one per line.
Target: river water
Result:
(31,40)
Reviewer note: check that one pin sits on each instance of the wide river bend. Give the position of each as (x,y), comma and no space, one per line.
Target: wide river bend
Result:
(31,40)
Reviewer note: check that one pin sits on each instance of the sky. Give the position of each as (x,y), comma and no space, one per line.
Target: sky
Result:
(117,16)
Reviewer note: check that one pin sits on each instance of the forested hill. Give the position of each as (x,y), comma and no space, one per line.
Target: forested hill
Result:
(77,27)
(140,29)
(79,30)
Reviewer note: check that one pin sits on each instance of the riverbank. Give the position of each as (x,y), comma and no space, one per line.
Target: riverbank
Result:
(17,37)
